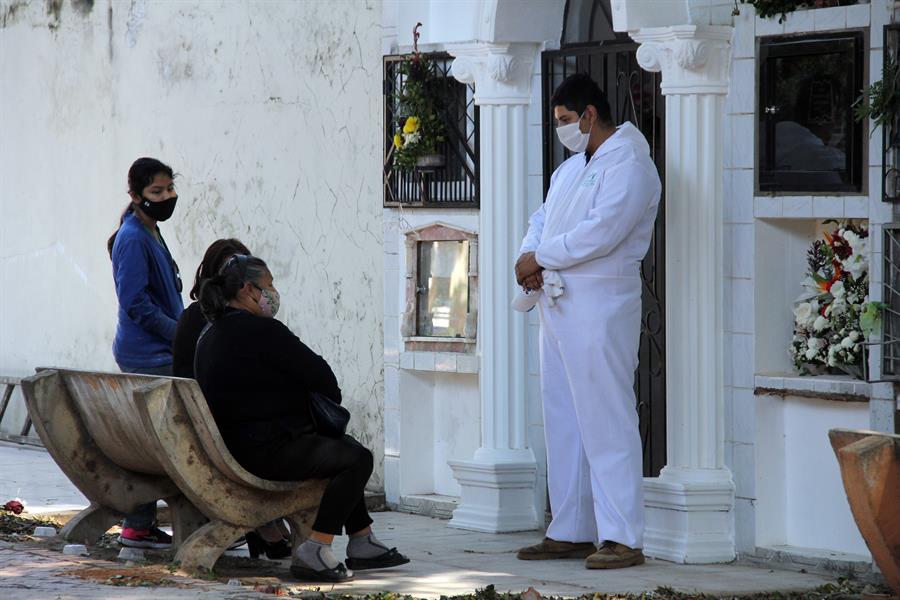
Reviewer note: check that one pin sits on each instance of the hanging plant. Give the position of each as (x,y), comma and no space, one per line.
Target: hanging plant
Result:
(419,131)
(880,102)
(770,8)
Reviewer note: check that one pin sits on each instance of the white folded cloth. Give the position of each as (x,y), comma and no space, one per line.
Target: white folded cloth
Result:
(553,287)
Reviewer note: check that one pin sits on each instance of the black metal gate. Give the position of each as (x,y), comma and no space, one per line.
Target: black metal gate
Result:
(634,95)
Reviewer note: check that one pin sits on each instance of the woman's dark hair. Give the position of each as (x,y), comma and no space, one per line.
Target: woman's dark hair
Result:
(140,175)
(577,91)
(217,291)
(216,255)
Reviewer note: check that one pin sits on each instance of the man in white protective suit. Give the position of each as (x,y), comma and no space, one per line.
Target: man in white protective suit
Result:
(580,264)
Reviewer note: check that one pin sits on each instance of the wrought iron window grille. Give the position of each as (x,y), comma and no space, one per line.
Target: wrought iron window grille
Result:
(890,143)
(455,183)
(890,318)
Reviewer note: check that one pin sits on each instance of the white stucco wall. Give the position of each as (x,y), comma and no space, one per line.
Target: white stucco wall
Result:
(799,495)
(270,112)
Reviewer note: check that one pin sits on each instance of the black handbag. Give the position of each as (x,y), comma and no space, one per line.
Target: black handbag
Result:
(329,417)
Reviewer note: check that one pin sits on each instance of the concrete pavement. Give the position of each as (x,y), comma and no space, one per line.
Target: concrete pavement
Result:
(444,561)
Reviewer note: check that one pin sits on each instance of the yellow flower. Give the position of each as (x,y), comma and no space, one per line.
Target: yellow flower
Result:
(412,125)
(398,141)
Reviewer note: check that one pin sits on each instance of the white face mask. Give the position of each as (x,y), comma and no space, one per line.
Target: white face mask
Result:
(571,137)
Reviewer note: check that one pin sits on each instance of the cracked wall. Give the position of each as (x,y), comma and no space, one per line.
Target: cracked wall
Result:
(271,114)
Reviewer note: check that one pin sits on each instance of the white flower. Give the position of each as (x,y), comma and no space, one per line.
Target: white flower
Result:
(812,288)
(837,290)
(847,342)
(802,313)
(858,262)
(820,323)
(855,335)
(813,346)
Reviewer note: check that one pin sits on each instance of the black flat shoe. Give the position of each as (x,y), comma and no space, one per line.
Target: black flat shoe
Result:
(391,558)
(335,575)
(273,550)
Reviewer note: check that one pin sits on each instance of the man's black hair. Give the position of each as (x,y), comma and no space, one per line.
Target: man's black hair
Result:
(579,90)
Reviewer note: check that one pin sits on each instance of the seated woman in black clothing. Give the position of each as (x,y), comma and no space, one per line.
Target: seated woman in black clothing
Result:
(257,376)
(273,539)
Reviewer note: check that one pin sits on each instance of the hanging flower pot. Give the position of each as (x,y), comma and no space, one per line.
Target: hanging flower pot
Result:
(419,130)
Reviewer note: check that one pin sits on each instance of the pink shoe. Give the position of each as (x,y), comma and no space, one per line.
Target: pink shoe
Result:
(153,538)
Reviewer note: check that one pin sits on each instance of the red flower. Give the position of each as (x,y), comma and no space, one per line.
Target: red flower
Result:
(14,506)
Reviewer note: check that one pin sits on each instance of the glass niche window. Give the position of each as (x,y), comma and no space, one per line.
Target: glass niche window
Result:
(808,138)
(441,290)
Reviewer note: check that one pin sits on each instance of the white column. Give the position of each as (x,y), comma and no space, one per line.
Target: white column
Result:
(498,483)
(689,518)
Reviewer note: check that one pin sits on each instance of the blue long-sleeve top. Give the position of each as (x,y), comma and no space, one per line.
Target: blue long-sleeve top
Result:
(149,301)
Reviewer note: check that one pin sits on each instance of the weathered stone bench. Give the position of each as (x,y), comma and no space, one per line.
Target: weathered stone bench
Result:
(126,440)
(870,468)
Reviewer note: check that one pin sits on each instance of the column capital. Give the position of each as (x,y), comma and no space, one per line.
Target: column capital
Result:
(502,73)
(693,59)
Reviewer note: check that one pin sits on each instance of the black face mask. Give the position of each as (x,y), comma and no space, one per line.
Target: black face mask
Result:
(158,211)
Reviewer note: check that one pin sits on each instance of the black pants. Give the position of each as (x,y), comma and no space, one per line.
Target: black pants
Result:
(346,462)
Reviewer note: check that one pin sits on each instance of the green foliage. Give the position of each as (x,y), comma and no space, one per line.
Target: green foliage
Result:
(771,8)
(842,589)
(870,318)
(880,102)
(420,98)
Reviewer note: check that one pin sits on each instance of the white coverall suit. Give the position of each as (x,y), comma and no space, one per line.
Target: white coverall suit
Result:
(594,230)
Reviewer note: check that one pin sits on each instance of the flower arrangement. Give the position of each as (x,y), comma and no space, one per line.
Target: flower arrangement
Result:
(419,131)
(833,316)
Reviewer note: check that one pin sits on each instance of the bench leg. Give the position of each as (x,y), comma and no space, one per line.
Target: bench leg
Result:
(301,526)
(186,519)
(203,548)
(90,524)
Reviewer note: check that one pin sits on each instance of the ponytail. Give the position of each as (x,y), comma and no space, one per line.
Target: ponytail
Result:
(216,292)
(213,297)
(112,239)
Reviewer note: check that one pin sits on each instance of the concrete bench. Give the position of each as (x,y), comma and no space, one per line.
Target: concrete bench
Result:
(870,468)
(125,440)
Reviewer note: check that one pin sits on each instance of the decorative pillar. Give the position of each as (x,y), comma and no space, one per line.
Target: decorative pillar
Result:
(498,483)
(689,506)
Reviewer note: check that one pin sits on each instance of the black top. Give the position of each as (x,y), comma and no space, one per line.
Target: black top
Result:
(190,325)
(256,376)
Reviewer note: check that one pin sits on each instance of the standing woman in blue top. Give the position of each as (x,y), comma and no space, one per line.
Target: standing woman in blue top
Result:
(148,286)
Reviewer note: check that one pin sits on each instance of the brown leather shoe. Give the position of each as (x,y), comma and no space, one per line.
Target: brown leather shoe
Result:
(549,549)
(613,555)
